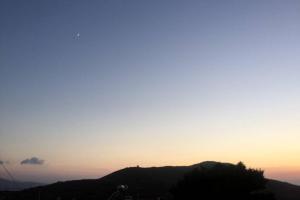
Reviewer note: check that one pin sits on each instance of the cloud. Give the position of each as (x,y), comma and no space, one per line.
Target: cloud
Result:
(1,162)
(32,161)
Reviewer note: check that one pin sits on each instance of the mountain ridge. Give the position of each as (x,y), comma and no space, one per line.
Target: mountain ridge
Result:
(146,182)
(7,185)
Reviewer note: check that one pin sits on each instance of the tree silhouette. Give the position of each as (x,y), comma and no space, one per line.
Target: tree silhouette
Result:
(222,181)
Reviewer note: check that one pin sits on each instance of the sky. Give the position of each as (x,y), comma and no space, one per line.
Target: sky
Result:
(89,87)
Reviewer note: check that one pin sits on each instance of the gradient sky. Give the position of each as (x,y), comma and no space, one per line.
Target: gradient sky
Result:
(149,83)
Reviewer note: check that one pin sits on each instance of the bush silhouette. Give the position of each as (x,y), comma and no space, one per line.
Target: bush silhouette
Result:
(222,181)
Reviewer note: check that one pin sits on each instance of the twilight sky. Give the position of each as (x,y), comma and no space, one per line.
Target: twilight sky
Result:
(88,87)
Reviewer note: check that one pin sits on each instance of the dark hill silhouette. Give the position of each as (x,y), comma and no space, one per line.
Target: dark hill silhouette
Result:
(7,185)
(283,190)
(143,182)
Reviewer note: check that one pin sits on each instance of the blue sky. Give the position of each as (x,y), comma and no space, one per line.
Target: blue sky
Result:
(149,83)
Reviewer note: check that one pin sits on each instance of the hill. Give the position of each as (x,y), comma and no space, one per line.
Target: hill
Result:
(6,185)
(283,190)
(144,183)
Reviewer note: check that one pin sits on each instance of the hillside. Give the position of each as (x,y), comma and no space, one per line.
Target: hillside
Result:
(6,185)
(147,183)
(283,190)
